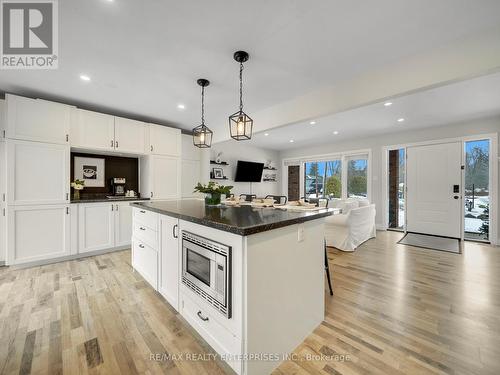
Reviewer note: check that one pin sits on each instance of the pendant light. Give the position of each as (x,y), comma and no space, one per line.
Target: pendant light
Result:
(202,136)
(240,124)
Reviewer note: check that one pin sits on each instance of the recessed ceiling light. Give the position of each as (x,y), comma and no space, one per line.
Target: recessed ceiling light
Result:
(266,134)
(335,132)
(84,77)
(312,123)
(181,106)
(401,119)
(388,104)
(291,141)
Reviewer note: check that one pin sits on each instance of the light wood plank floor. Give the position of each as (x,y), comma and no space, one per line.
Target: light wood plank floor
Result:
(396,310)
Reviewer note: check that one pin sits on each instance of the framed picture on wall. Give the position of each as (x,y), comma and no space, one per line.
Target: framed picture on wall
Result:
(90,170)
(218,173)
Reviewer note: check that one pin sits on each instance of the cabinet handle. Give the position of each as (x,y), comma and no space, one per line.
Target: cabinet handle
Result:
(67,137)
(174,232)
(151,148)
(116,207)
(67,196)
(3,197)
(151,194)
(112,207)
(3,212)
(141,246)
(112,143)
(116,144)
(142,211)
(67,210)
(204,318)
(142,228)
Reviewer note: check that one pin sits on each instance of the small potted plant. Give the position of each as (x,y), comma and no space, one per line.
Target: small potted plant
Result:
(77,185)
(213,192)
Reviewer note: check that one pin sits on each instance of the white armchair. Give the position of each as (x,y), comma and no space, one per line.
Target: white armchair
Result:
(354,226)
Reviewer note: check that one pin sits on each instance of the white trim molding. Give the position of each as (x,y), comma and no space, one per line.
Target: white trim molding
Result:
(493,176)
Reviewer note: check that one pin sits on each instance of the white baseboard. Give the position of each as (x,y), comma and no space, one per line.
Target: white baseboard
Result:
(67,257)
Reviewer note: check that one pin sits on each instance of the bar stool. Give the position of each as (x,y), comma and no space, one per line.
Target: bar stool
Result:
(248,197)
(327,270)
(281,199)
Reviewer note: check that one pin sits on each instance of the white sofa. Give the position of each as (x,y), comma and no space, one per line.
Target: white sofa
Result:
(354,226)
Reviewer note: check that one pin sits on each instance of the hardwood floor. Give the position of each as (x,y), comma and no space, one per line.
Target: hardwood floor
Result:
(395,310)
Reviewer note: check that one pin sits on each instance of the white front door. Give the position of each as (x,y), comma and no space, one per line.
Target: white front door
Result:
(434,195)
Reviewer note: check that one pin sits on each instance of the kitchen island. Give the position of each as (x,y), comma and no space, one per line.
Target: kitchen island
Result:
(249,280)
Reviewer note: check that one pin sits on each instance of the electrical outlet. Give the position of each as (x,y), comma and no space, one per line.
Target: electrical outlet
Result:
(300,233)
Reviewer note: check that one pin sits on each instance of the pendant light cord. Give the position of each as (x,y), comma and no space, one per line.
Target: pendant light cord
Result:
(241,87)
(203,105)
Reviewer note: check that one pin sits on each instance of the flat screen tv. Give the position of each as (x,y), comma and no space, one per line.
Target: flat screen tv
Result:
(247,171)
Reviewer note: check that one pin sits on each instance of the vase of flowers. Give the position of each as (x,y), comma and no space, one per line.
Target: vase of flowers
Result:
(77,185)
(213,192)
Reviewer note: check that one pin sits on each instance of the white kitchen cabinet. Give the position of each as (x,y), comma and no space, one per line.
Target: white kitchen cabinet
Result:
(164,140)
(3,234)
(160,177)
(37,173)
(96,226)
(166,175)
(38,232)
(190,171)
(130,135)
(189,150)
(3,203)
(123,223)
(168,283)
(37,120)
(145,261)
(93,130)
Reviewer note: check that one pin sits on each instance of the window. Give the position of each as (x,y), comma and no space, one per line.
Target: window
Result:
(357,177)
(322,179)
(477,195)
(397,169)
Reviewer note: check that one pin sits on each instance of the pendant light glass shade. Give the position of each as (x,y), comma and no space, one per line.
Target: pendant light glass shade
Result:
(202,135)
(240,124)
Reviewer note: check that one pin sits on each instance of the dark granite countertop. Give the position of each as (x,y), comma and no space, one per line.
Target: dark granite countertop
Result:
(244,220)
(96,198)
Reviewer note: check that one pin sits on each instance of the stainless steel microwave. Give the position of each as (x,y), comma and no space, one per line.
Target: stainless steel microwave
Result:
(206,270)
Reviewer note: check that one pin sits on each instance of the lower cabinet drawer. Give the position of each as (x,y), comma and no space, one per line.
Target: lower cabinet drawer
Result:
(227,345)
(145,261)
(146,234)
(147,218)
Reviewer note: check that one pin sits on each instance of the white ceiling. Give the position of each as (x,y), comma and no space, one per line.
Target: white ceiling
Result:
(462,101)
(144,57)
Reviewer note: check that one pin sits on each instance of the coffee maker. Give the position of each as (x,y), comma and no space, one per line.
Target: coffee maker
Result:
(118,185)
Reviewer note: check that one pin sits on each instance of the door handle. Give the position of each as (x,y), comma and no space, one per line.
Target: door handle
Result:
(204,318)
(174,231)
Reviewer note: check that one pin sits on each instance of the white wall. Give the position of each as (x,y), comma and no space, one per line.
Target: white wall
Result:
(232,151)
(376,144)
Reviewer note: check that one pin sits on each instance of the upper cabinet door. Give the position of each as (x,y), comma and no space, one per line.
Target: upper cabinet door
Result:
(189,150)
(93,130)
(130,135)
(37,173)
(164,140)
(37,120)
(166,176)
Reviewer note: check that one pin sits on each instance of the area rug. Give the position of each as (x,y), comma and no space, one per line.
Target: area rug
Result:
(451,245)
